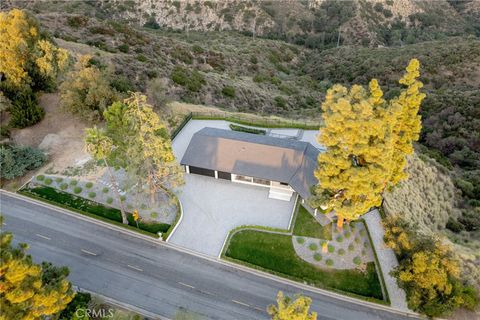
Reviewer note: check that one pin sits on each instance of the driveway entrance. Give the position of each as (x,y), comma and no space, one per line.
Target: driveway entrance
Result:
(212,207)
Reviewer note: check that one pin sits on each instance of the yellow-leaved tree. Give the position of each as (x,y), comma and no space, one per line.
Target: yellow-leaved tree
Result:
(25,53)
(366,140)
(288,309)
(29,291)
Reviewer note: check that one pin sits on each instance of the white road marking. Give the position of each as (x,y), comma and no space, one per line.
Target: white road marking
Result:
(241,303)
(136,268)
(259,309)
(88,252)
(186,285)
(206,292)
(42,236)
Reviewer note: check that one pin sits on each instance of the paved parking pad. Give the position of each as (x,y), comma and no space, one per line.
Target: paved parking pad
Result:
(211,208)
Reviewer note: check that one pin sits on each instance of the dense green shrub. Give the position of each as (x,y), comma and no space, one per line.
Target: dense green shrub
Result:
(154,215)
(313,246)
(123,198)
(73,182)
(317,257)
(339,238)
(109,200)
(15,161)
(329,262)
(331,248)
(40,177)
(300,240)
(228,91)
(77,190)
(58,179)
(105,190)
(25,110)
(341,252)
(124,48)
(235,127)
(88,185)
(357,260)
(48,181)
(185,77)
(351,247)
(92,194)
(63,186)
(280,102)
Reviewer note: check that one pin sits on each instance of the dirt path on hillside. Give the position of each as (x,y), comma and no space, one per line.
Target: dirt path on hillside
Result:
(59,134)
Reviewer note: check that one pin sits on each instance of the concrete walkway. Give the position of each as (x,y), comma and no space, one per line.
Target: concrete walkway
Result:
(387,259)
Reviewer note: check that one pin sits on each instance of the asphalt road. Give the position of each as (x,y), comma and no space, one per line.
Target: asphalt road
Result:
(154,277)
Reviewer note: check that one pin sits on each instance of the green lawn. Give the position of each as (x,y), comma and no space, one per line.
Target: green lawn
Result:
(307,226)
(76,203)
(275,253)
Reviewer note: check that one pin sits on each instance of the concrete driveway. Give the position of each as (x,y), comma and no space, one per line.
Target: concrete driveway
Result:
(211,208)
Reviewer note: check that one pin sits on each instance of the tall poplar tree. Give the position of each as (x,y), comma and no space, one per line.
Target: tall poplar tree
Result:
(367,140)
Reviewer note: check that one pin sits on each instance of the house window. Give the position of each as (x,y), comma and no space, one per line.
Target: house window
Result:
(261,181)
(243,178)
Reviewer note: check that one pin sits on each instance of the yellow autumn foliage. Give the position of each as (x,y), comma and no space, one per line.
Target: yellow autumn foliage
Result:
(286,309)
(22,48)
(367,140)
(23,293)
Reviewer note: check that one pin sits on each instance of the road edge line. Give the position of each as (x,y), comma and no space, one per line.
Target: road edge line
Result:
(260,273)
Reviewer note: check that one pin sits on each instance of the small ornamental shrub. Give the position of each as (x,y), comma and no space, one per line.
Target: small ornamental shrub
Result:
(77,190)
(357,260)
(358,240)
(313,246)
(329,262)
(58,180)
(64,186)
(73,182)
(48,181)
(366,244)
(40,177)
(109,200)
(351,247)
(317,257)
(364,252)
(347,235)
(88,185)
(331,248)
(339,238)
(92,194)
(143,206)
(105,190)
(154,215)
(129,206)
(300,240)
(341,252)
(123,198)
(363,232)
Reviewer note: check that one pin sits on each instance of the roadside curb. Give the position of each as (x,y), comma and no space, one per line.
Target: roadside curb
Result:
(213,259)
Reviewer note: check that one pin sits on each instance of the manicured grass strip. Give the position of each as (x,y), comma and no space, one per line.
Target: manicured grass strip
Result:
(275,253)
(307,226)
(91,208)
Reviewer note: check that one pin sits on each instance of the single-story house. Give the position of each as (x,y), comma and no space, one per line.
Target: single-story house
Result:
(282,165)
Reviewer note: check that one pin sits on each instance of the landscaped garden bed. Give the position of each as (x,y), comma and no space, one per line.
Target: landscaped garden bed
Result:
(276,253)
(90,208)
